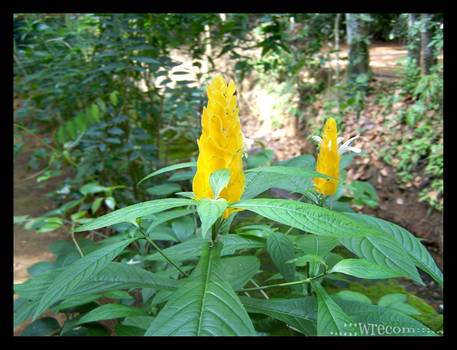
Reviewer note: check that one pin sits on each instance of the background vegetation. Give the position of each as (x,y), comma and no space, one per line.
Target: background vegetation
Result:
(108,99)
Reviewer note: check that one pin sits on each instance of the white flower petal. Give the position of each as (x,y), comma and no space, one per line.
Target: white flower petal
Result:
(355,149)
(345,147)
(339,139)
(348,142)
(317,139)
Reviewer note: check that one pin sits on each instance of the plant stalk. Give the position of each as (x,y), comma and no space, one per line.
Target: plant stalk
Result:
(286,284)
(161,252)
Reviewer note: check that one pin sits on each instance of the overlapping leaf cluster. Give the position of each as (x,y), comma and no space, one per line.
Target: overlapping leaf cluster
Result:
(207,300)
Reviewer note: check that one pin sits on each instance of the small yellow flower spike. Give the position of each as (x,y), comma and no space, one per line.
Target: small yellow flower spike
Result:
(220,144)
(328,161)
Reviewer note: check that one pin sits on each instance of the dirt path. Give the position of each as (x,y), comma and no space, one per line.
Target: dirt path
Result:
(30,247)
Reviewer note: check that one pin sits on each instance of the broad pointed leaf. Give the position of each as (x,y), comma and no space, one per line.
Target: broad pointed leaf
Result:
(281,250)
(375,320)
(204,305)
(218,180)
(135,211)
(362,268)
(168,168)
(307,217)
(79,271)
(191,248)
(300,313)
(412,245)
(104,312)
(383,251)
(331,319)
(209,211)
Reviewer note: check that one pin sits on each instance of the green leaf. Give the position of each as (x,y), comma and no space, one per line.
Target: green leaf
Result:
(300,313)
(112,277)
(363,268)
(317,245)
(141,322)
(71,128)
(166,216)
(73,275)
(353,296)
(238,270)
(92,188)
(118,294)
(165,189)
(331,319)
(183,227)
(372,320)
(383,251)
(209,211)
(110,202)
(121,276)
(40,267)
(290,171)
(169,168)
(95,112)
(103,312)
(308,258)
(42,327)
(281,250)
(204,305)
(128,331)
(411,245)
(23,311)
(149,60)
(191,248)
(306,217)
(397,302)
(306,161)
(218,180)
(185,194)
(257,182)
(20,219)
(81,122)
(44,224)
(76,301)
(78,215)
(113,98)
(135,211)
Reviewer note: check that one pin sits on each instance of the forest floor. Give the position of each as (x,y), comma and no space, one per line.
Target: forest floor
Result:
(398,202)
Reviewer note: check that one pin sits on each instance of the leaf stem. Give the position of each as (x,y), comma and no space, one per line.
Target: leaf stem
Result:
(161,252)
(72,234)
(306,280)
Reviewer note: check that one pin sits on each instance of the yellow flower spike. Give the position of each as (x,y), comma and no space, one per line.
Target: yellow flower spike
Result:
(328,161)
(220,144)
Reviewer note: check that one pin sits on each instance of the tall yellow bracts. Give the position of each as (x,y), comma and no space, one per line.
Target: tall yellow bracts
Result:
(220,144)
(328,161)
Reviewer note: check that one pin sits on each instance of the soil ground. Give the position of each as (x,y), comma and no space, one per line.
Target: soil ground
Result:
(398,204)
(30,247)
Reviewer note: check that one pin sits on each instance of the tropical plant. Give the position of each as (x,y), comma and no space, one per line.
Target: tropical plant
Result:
(197,263)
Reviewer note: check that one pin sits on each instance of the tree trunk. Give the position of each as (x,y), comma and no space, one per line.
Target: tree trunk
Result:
(414,39)
(427,51)
(357,40)
(336,30)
